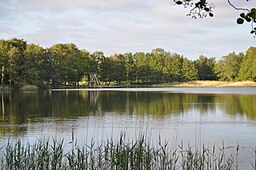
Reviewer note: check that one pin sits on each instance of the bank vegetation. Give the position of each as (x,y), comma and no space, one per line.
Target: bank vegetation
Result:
(120,154)
(31,66)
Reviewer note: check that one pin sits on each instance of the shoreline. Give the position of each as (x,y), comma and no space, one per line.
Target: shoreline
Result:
(208,83)
(196,83)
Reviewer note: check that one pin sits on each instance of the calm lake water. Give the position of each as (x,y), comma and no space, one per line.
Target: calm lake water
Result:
(209,116)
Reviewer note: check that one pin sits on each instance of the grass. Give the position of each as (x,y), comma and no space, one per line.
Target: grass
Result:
(208,83)
(29,88)
(5,88)
(119,155)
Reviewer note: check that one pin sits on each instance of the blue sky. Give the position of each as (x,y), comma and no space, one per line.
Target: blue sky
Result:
(119,26)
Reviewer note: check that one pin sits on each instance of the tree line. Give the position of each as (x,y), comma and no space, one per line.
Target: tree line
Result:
(22,64)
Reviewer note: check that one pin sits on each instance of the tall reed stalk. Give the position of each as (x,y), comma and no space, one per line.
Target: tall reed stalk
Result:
(116,155)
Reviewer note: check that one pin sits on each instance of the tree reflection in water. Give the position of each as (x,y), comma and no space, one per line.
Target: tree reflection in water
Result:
(18,108)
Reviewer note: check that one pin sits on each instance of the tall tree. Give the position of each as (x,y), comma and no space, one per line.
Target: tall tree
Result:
(157,64)
(119,69)
(119,72)
(4,47)
(141,67)
(228,67)
(16,61)
(106,69)
(176,67)
(168,67)
(130,67)
(83,65)
(35,70)
(96,59)
(248,66)
(189,71)
(66,59)
(205,67)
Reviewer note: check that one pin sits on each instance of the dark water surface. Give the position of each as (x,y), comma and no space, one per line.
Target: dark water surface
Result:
(209,116)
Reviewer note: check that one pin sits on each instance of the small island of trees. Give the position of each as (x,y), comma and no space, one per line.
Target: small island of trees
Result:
(23,64)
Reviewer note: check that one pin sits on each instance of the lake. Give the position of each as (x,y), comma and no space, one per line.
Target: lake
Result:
(194,116)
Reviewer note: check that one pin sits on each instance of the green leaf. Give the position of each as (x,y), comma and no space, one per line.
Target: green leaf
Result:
(248,19)
(240,21)
(207,9)
(179,2)
(242,15)
(253,13)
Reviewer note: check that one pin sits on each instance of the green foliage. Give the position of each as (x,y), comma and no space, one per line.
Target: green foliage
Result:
(105,70)
(228,68)
(175,67)
(249,15)
(35,69)
(248,66)
(112,69)
(68,63)
(189,71)
(123,154)
(118,68)
(157,66)
(4,61)
(95,61)
(16,61)
(240,21)
(201,9)
(130,67)
(205,67)
(64,64)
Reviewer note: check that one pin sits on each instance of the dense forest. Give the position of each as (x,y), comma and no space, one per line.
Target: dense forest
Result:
(22,64)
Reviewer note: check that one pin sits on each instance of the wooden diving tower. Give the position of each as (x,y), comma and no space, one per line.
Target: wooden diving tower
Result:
(94,80)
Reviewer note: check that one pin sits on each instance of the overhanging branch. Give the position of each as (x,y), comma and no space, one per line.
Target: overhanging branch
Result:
(236,8)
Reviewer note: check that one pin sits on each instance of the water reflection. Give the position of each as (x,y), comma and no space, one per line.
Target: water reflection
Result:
(20,107)
(198,117)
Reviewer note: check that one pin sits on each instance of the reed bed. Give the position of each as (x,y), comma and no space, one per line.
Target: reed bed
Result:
(115,155)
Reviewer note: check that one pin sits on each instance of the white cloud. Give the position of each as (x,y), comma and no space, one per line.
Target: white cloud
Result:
(117,26)
(54,5)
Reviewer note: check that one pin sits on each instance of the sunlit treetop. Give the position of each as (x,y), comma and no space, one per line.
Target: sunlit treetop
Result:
(202,8)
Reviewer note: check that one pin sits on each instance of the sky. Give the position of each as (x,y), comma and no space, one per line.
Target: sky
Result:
(120,26)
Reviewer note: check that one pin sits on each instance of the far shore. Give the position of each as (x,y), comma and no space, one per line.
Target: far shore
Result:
(197,83)
(208,83)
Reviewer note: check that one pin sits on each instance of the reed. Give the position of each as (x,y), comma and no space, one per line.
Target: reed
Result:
(119,155)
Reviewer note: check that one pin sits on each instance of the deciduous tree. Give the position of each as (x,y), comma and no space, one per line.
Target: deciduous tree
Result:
(205,67)
(248,66)
(228,67)
(189,71)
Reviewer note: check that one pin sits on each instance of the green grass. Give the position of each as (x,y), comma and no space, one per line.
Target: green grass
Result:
(119,155)
(29,88)
(208,83)
(5,88)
